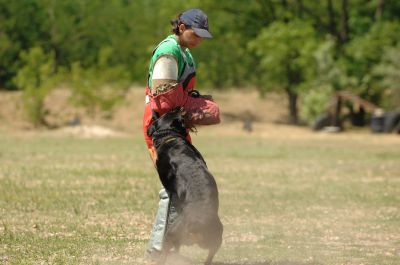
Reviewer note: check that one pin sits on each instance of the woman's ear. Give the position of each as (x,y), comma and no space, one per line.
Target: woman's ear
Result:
(182,28)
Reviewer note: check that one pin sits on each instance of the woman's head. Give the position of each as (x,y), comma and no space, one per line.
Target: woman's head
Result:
(191,27)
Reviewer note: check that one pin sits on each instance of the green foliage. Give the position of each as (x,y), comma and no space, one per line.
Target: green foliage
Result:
(319,90)
(286,58)
(218,70)
(314,102)
(20,30)
(5,46)
(99,88)
(35,78)
(286,54)
(328,71)
(366,51)
(388,71)
(268,44)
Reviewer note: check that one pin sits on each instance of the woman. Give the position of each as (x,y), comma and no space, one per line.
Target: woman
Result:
(170,84)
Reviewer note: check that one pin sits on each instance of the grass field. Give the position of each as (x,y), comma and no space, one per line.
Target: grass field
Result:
(286,198)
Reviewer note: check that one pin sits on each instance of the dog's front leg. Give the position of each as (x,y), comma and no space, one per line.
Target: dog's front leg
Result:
(210,257)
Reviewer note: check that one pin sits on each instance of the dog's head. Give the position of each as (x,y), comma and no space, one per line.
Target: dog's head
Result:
(173,121)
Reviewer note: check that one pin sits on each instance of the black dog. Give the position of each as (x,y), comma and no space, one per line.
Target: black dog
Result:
(184,174)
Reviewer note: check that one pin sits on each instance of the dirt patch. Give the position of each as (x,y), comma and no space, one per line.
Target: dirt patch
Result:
(11,110)
(242,112)
(239,105)
(236,106)
(63,116)
(59,110)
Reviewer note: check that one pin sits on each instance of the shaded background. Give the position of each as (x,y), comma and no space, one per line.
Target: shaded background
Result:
(306,50)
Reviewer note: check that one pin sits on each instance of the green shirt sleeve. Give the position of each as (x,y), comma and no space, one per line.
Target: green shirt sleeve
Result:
(170,48)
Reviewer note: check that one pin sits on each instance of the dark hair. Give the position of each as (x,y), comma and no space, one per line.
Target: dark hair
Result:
(176,22)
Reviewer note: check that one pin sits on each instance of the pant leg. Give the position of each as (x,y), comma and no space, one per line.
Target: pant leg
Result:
(160,223)
(173,210)
(168,210)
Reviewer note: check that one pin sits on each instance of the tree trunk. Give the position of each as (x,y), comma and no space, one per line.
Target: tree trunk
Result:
(293,79)
(332,19)
(345,22)
(57,57)
(336,115)
(379,9)
(293,113)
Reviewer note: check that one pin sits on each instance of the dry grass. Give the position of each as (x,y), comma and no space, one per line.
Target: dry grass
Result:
(128,114)
(287,196)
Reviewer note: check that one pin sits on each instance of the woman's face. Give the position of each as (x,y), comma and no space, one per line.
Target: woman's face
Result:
(188,38)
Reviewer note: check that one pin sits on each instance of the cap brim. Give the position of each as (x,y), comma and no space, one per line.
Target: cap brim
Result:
(203,33)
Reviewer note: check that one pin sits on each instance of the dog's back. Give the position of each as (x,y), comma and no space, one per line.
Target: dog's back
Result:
(184,172)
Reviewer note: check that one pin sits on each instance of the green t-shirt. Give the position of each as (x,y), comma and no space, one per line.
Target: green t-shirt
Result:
(170,46)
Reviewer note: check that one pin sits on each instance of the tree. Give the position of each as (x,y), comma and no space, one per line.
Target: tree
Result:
(388,73)
(329,77)
(363,53)
(35,79)
(20,29)
(286,58)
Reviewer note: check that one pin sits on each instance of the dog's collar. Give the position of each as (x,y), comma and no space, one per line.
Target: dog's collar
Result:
(165,136)
(166,140)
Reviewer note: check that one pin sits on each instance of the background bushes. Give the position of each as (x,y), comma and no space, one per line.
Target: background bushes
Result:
(300,47)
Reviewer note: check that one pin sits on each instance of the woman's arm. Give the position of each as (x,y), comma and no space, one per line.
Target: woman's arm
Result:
(168,94)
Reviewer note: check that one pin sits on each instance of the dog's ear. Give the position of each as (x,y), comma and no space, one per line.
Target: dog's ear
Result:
(154,115)
(151,129)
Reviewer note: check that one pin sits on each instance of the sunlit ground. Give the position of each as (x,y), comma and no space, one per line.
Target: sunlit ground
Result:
(287,196)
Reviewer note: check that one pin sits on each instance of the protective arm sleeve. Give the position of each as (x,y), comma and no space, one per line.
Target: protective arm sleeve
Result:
(167,94)
(202,111)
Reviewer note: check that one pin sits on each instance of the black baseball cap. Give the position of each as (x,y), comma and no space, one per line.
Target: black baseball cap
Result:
(197,20)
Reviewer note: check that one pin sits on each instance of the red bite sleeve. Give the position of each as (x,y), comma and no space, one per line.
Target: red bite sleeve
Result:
(173,98)
(202,111)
